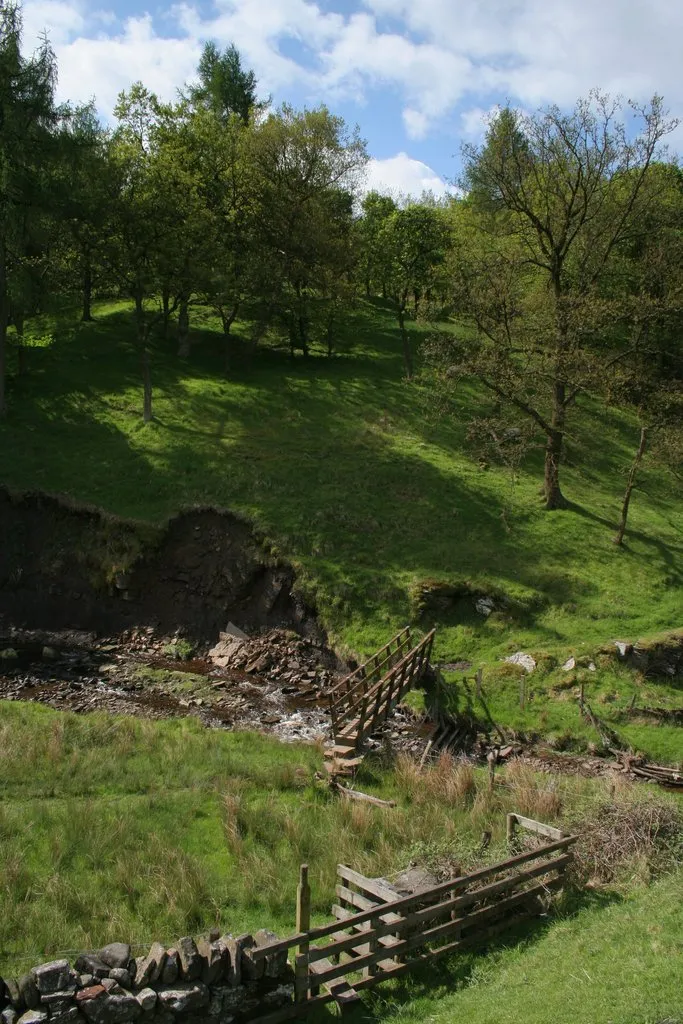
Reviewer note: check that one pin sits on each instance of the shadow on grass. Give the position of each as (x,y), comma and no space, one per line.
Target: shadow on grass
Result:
(439,978)
(333,457)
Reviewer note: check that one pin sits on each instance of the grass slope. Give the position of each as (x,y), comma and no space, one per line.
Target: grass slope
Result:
(114,828)
(340,463)
(618,964)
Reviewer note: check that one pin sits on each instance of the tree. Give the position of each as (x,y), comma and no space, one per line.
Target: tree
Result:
(224,87)
(308,167)
(83,195)
(148,216)
(374,262)
(533,273)
(27,119)
(414,241)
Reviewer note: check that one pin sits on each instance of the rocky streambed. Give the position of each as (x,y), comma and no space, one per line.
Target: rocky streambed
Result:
(274,681)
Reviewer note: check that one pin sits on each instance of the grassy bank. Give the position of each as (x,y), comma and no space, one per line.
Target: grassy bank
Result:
(341,463)
(611,963)
(117,828)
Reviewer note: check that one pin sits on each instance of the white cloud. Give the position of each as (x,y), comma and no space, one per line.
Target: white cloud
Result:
(437,56)
(402,175)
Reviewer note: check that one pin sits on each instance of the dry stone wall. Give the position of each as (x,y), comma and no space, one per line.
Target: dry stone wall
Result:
(212,980)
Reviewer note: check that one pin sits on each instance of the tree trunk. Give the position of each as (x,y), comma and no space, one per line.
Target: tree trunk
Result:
(165,310)
(302,320)
(146,386)
(184,328)
(87,316)
(142,336)
(554,499)
(630,483)
(21,348)
(227,319)
(3,325)
(407,354)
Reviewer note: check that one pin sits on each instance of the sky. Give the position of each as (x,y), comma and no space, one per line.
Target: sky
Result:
(419,77)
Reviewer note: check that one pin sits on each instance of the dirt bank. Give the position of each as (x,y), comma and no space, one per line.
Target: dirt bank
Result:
(64,566)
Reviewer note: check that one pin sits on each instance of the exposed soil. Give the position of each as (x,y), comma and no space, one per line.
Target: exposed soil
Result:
(72,567)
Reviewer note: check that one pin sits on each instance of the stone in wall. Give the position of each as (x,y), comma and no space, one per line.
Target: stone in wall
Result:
(213,979)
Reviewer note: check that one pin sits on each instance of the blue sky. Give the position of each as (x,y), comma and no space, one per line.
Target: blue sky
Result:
(418,76)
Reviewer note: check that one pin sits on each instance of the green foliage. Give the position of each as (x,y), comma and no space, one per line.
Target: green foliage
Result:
(344,473)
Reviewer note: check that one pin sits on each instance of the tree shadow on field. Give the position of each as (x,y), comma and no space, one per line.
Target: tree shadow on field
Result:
(436,979)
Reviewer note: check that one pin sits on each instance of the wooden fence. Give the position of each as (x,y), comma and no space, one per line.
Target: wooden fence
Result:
(375,937)
(362,701)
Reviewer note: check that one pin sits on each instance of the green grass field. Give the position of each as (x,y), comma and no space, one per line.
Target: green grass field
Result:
(342,465)
(114,828)
(117,828)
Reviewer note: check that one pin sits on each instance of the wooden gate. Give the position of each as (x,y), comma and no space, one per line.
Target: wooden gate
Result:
(364,947)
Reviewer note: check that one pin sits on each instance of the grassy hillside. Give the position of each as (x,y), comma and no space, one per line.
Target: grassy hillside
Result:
(117,828)
(610,964)
(342,464)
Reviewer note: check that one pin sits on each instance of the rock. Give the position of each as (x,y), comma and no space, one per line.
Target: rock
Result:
(121,975)
(88,963)
(623,648)
(9,654)
(49,654)
(56,1001)
(9,1016)
(279,996)
(520,658)
(148,969)
(85,980)
(185,997)
(191,963)
(53,976)
(235,947)
(110,1008)
(225,651)
(69,1015)
(116,954)
(592,666)
(29,992)
(231,999)
(569,664)
(484,605)
(33,1017)
(147,999)
(275,963)
(171,969)
(231,630)
(216,957)
(112,987)
(89,993)
(14,993)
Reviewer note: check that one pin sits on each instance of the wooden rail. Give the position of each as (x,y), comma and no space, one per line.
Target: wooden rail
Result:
(371,670)
(366,699)
(377,935)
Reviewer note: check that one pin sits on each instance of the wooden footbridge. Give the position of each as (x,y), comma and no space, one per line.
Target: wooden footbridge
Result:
(362,701)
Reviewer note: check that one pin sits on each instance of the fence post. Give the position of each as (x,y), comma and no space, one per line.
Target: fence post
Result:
(301,978)
(303,902)
(303,924)
(510,827)
(491,757)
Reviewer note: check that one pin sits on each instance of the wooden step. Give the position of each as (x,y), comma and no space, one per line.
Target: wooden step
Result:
(341,751)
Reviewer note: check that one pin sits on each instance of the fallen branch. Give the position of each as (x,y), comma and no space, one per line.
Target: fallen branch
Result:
(354,794)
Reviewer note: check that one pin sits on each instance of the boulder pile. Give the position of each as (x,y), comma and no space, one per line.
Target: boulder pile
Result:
(215,978)
(279,656)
